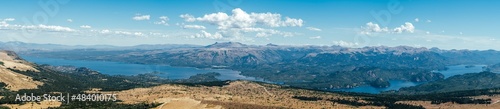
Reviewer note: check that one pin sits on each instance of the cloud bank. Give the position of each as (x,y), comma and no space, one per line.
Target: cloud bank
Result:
(239,24)
(372,28)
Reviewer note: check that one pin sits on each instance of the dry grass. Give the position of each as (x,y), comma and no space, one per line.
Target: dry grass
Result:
(34,105)
(239,94)
(427,104)
(13,80)
(11,60)
(184,103)
(16,81)
(18,65)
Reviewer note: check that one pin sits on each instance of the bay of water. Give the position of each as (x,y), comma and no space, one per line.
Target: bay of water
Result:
(397,84)
(461,69)
(119,68)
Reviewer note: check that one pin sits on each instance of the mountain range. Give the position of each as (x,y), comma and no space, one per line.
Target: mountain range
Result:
(316,67)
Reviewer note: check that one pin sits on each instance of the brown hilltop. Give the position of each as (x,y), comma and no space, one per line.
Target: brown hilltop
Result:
(15,81)
(236,95)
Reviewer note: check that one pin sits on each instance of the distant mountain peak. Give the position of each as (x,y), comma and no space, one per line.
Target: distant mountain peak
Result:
(226,45)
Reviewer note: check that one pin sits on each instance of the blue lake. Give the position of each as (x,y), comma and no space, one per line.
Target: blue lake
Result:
(171,72)
(118,68)
(397,84)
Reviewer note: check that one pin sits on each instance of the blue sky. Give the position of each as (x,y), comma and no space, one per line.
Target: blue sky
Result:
(460,24)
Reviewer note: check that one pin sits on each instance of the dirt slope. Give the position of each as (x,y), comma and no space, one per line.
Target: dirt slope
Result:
(15,81)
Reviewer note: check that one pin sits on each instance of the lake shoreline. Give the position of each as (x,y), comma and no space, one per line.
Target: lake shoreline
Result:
(130,69)
(396,84)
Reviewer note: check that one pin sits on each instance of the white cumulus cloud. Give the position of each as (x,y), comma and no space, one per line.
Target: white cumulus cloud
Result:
(9,19)
(242,19)
(345,44)
(69,20)
(120,33)
(313,29)
(163,20)
(371,28)
(193,27)
(315,37)
(204,34)
(407,27)
(85,26)
(188,18)
(4,22)
(141,17)
(41,27)
(238,23)
(104,31)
